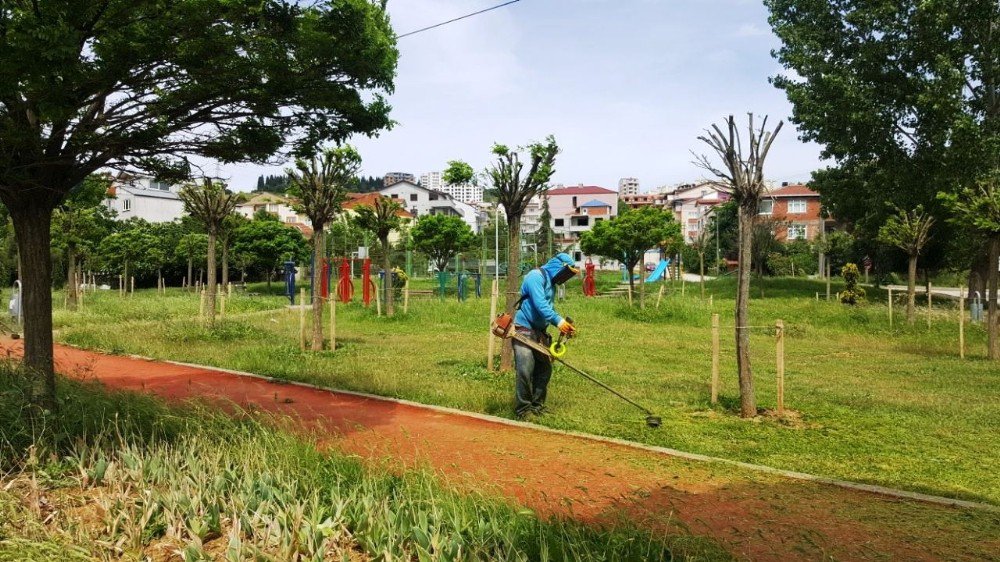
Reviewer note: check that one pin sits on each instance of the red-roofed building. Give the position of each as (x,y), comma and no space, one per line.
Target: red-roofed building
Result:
(576,209)
(355,200)
(798,208)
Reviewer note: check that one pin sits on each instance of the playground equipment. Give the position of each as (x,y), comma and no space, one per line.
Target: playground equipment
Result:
(503,327)
(660,272)
(345,285)
(976,308)
(589,283)
(290,272)
(14,306)
(368,286)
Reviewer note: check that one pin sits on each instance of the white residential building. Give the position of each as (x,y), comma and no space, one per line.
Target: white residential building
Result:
(577,209)
(145,198)
(692,204)
(420,201)
(628,186)
(277,205)
(465,192)
(431,180)
(396,177)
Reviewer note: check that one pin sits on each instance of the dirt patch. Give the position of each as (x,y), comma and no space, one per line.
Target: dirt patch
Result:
(752,515)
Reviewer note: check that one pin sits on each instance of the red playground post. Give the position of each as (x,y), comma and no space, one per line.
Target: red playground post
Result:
(589,284)
(324,281)
(345,286)
(366,281)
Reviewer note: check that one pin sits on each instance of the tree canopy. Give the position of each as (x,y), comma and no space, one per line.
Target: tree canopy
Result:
(442,237)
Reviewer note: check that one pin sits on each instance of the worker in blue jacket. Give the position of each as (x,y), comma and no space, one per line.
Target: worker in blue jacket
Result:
(535,314)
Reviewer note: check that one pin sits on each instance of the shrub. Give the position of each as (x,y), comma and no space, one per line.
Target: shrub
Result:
(852,294)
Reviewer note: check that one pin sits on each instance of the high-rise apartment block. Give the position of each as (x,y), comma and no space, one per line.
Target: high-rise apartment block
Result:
(396,177)
(466,192)
(628,186)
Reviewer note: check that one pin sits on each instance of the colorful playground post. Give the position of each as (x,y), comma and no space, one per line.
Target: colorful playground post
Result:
(589,283)
(345,286)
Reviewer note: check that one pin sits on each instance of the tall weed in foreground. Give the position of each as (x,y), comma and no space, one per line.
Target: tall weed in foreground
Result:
(207,486)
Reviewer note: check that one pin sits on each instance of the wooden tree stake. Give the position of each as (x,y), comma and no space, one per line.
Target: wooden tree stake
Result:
(828,281)
(715,358)
(302,319)
(491,342)
(378,300)
(406,296)
(930,299)
(630,295)
(659,296)
(961,322)
(333,322)
(133,285)
(780,354)
(890,308)
(201,307)
(222,307)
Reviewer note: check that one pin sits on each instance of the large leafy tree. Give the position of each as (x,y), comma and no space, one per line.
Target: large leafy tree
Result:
(142,84)
(904,97)
(79,224)
(133,249)
(627,237)
(382,218)
(320,184)
(739,169)
(262,245)
(978,210)
(441,238)
(211,204)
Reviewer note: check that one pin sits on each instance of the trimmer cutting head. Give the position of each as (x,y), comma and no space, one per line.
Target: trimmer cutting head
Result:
(653,421)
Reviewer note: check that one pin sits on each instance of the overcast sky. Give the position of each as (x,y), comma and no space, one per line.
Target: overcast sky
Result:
(626,86)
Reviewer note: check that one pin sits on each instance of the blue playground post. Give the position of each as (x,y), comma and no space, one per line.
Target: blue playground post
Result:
(290,272)
(461,286)
(479,285)
(443,282)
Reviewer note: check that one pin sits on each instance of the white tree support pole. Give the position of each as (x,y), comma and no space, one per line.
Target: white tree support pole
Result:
(715,358)
(302,319)
(491,342)
(961,322)
(890,308)
(780,355)
(333,322)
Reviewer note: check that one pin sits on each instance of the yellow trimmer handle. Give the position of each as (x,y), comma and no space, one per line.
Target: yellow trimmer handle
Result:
(557,349)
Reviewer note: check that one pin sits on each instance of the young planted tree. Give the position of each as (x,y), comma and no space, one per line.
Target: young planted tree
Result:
(627,237)
(229,225)
(742,175)
(78,226)
(441,238)
(263,245)
(211,203)
(701,243)
(192,247)
(909,231)
(382,219)
(978,210)
(321,185)
(143,84)
(515,186)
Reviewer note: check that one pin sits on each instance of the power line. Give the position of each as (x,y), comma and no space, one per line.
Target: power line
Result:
(428,28)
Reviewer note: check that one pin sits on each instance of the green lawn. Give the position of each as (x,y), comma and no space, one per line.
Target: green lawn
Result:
(893,407)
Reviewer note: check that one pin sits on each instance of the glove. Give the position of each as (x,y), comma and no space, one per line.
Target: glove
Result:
(566,328)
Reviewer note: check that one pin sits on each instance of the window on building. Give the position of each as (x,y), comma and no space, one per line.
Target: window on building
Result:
(582,221)
(797,232)
(433,196)
(126,204)
(574,201)
(560,222)
(766,206)
(597,220)
(796,206)
(578,256)
(413,197)
(393,196)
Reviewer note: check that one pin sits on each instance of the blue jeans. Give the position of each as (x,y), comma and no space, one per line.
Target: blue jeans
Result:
(534,369)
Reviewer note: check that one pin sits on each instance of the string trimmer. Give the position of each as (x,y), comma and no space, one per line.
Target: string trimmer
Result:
(503,327)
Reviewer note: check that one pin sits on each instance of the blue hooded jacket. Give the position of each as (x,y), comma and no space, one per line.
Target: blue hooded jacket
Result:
(537,310)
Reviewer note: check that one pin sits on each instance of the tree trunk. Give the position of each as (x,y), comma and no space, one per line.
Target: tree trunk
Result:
(911,291)
(748,405)
(71,285)
(513,283)
(124,283)
(159,280)
(225,262)
(211,278)
(642,282)
(34,240)
(387,267)
(190,279)
(993,315)
(317,299)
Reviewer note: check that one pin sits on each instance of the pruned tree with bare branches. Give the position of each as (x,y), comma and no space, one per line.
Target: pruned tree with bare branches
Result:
(742,175)
(210,203)
(321,184)
(909,231)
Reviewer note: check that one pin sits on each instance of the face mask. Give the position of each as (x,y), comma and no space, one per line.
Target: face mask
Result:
(564,275)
